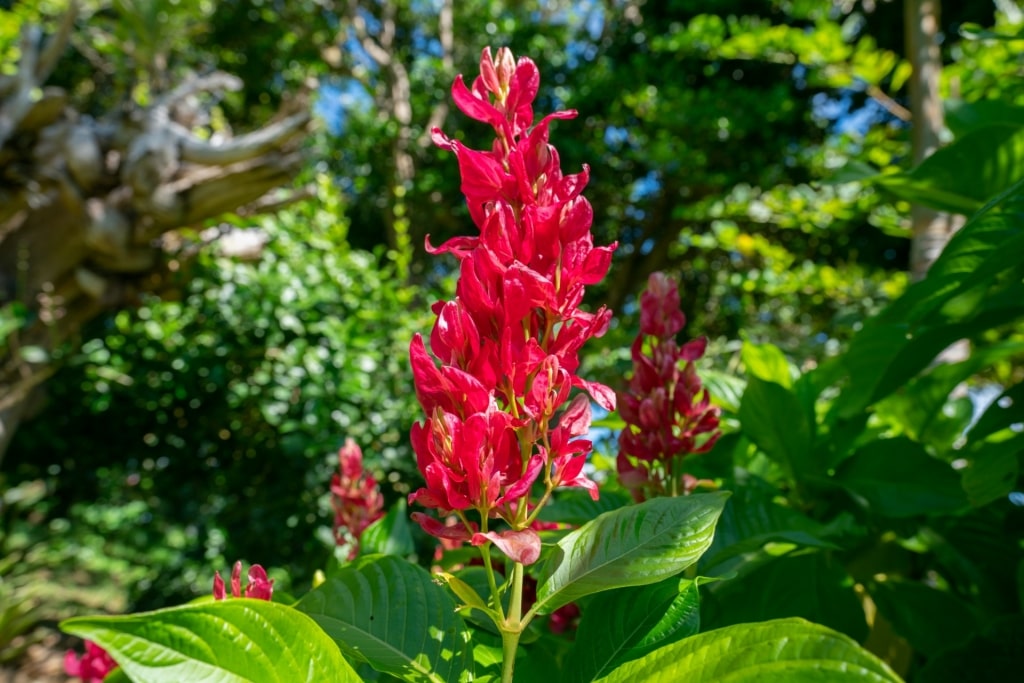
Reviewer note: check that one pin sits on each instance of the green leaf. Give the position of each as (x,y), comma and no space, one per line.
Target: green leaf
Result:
(117,676)
(962,176)
(774,418)
(993,470)
(767,362)
(814,586)
(919,406)
(229,641)
(632,546)
(963,117)
(865,361)
(753,519)
(389,535)
(978,254)
(930,619)
(389,613)
(972,31)
(725,389)
(780,651)
(626,624)
(897,478)
(992,656)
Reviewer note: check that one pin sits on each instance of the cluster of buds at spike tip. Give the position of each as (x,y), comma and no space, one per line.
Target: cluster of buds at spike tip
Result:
(259,586)
(498,412)
(355,496)
(668,413)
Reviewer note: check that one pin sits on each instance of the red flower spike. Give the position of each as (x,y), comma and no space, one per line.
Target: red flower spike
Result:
(355,496)
(91,667)
(668,413)
(505,352)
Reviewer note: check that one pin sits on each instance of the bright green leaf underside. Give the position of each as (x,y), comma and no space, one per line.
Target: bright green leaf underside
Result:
(632,546)
(231,641)
(779,651)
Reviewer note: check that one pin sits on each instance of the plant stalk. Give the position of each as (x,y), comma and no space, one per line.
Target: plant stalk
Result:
(513,627)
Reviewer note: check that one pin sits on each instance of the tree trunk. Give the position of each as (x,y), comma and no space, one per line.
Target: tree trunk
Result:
(931,229)
(86,206)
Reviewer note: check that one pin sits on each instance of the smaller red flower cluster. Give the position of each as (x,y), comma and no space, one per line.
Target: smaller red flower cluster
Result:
(668,413)
(92,667)
(355,496)
(259,586)
(508,343)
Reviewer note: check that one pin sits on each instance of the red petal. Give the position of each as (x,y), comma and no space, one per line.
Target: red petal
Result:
(472,106)
(522,487)
(458,532)
(260,587)
(520,546)
(219,593)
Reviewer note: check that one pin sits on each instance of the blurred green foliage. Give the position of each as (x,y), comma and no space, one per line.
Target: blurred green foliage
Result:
(201,427)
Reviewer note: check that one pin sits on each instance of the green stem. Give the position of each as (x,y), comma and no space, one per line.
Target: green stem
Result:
(512,628)
(485,550)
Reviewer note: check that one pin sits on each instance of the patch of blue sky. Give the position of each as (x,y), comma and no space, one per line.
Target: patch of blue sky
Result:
(336,99)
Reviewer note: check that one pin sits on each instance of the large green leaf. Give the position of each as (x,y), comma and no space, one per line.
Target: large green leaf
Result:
(994,655)
(930,619)
(767,362)
(993,470)
(751,520)
(774,418)
(814,586)
(919,406)
(897,478)
(780,651)
(870,352)
(962,176)
(975,271)
(983,250)
(964,117)
(230,641)
(631,546)
(389,613)
(626,624)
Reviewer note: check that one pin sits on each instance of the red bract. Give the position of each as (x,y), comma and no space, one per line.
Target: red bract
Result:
(355,496)
(504,351)
(259,587)
(92,667)
(668,413)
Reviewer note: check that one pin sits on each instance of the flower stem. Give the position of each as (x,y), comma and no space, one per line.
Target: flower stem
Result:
(485,550)
(512,628)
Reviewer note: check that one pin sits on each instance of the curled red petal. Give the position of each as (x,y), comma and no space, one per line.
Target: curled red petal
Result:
(520,546)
